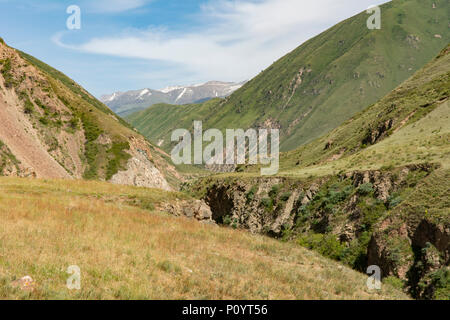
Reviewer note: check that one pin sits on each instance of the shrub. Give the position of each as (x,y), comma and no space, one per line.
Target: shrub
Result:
(394,201)
(251,194)
(441,283)
(285,196)
(365,189)
(268,204)
(91,132)
(394,282)
(340,195)
(226,220)
(44,121)
(274,191)
(119,157)
(73,123)
(28,107)
(327,245)
(5,71)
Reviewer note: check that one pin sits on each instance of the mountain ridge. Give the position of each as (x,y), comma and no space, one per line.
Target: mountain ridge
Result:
(323,82)
(53,128)
(131,101)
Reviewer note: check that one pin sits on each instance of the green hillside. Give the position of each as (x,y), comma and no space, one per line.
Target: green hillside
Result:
(74,135)
(323,82)
(373,191)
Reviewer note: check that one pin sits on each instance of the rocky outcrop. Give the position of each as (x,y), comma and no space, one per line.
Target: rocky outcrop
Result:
(142,173)
(354,209)
(411,252)
(196,209)
(377,133)
(140,170)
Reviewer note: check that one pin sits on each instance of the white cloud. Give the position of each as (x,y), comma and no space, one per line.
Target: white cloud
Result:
(236,40)
(114,6)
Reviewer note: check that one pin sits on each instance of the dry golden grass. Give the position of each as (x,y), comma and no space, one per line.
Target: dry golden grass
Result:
(125,252)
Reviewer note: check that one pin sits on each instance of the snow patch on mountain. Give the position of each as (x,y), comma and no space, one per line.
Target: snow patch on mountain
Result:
(124,103)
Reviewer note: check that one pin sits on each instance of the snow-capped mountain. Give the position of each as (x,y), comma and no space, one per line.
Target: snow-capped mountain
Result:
(124,103)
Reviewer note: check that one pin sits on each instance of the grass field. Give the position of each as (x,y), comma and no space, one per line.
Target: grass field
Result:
(127,252)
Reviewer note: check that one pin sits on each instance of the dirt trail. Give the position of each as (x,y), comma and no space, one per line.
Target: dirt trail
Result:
(20,137)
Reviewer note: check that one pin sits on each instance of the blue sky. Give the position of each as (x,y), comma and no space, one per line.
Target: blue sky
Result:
(134,44)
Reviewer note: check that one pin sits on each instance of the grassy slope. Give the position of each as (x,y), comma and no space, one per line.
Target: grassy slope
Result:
(126,252)
(351,68)
(418,110)
(419,113)
(95,118)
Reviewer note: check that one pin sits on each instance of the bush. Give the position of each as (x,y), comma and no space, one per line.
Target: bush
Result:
(119,157)
(28,108)
(91,149)
(365,189)
(274,191)
(268,204)
(227,220)
(44,121)
(5,71)
(336,196)
(394,282)
(441,282)
(251,194)
(73,123)
(394,201)
(327,245)
(285,196)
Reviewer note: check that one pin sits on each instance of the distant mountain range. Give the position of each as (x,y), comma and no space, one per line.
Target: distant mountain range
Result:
(124,103)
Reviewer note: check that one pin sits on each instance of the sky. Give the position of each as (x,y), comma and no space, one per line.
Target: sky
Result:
(134,44)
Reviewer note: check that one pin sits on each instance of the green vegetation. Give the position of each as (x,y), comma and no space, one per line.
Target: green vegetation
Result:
(28,106)
(251,194)
(441,282)
(322,83)
(7,159)
(69,83)
(119,158)
(85,115)
(365,189)
(92,223)
(326,245)
(6,73)
(268,204)
(91,132)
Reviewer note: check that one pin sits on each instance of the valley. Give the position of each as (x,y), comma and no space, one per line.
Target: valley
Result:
(364,175)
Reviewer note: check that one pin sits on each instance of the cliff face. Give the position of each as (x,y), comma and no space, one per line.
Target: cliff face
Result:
(354,217)
(52,128)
